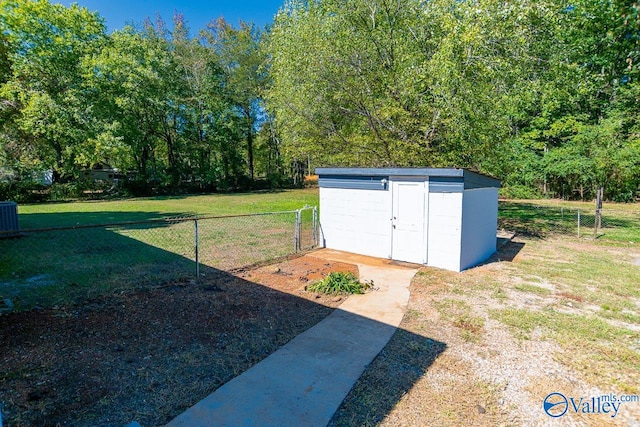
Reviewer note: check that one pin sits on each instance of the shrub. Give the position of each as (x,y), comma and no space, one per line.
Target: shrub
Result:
(23,192)
(518,191)
(138,187)
(336,283)
(66,191)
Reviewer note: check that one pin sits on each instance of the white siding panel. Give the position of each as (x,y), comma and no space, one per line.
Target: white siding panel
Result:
(479,225)
(356,220)
(445,225)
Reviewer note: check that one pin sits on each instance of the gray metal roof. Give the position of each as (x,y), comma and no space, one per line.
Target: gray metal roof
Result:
(464,175)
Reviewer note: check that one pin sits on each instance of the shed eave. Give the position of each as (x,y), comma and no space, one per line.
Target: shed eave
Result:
(426,172)
(471,179)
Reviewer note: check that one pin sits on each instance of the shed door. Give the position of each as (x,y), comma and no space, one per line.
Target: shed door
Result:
(408,241)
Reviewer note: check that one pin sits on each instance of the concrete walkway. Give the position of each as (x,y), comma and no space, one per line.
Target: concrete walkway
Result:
(304,382)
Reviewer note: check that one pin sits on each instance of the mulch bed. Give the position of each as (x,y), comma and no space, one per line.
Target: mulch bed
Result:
(149,354)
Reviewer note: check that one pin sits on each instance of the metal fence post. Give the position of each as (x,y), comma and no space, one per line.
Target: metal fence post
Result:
(597,223)
(315,226)
(296,237)
(578,222)
(195,234)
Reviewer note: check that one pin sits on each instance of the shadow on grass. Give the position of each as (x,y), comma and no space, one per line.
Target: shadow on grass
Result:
(536,221)
(507,251)
(541,221)
(404,360)
(129,339)
(46,268)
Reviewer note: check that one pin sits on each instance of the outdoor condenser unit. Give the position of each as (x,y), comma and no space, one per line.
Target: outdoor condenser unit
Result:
(9,226)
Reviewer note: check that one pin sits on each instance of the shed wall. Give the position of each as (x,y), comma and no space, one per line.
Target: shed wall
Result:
(444,234)
(479,225)
(356,220)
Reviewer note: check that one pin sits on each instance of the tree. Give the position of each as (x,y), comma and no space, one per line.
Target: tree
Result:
(212,129)
(575,120)
(241,59)
(388,83)
(129,96)
(161,98)
(49,119)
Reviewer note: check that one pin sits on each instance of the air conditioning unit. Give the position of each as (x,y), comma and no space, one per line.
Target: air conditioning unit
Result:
(9,226)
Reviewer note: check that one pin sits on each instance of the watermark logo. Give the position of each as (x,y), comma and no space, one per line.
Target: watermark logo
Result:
(555,405)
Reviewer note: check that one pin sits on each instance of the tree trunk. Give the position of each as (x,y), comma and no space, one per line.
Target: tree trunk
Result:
(144,161)
(250,146)
(55,176)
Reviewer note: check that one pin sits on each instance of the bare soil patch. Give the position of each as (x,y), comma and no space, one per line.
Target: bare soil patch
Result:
(149,354)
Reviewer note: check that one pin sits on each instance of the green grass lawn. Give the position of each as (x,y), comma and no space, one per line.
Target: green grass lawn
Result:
(56,267)
(45,215)
(620,222)
(589,304)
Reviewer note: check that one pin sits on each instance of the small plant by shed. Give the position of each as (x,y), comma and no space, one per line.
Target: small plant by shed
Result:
(339,283)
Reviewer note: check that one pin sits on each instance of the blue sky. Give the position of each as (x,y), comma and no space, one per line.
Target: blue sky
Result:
(197,12)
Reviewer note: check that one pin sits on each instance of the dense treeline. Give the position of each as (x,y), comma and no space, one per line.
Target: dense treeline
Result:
(166,110)
(544,95)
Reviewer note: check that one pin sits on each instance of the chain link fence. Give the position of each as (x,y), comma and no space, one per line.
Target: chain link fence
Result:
(48,267)
(307,229)
(541,220)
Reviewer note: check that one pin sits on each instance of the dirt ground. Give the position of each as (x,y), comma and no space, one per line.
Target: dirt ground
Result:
(149,354)
(451,364)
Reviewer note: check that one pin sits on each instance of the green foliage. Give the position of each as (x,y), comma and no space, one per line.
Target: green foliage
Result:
(338,283)
(519,191)
(241,60)
(543,95)
(577,129)
(46,117)
(384,83)
(173,113)
(23,192)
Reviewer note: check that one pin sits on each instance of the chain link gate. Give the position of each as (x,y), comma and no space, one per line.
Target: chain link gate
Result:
(306,234)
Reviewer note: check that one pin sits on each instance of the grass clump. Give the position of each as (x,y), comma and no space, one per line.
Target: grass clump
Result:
(533,289)
(340,283)
(460,314)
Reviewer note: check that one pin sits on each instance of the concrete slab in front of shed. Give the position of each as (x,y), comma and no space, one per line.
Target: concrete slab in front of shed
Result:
(357,259)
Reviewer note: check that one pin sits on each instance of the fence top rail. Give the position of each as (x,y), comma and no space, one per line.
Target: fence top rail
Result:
(241,215)
(173,220)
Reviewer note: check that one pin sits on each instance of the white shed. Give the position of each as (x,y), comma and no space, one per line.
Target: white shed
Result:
(444,218)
